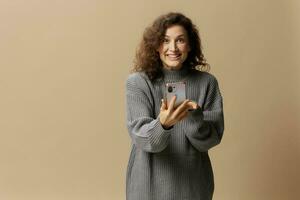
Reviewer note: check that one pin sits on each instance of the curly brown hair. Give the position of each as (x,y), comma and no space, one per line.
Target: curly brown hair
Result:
(147,58)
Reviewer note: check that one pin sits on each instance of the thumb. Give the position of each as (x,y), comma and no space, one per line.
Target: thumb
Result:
(193,105)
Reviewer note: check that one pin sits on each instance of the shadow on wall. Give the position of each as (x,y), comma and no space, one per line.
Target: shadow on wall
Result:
(265,102)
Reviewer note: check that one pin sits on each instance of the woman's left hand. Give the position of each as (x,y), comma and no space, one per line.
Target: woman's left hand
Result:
(193,105)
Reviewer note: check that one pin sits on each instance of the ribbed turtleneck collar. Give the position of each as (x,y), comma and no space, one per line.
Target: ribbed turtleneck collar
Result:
(175,75)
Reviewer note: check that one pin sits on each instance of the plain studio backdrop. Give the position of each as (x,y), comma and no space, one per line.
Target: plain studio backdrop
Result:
(63,68)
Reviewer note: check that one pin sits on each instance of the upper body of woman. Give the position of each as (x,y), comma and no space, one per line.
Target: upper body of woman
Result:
(169,156)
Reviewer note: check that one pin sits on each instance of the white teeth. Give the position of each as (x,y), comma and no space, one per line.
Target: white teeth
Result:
(174,56)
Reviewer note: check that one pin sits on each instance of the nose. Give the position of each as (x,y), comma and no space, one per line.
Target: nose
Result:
(173,46)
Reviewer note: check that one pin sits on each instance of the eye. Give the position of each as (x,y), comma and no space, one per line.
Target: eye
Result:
(165,40)
(181,40)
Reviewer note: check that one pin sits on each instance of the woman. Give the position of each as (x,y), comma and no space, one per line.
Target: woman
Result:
(169,156)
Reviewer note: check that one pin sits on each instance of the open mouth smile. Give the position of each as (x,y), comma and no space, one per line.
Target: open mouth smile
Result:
(173,56)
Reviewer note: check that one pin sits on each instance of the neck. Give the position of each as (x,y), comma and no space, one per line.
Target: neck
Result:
(174,75)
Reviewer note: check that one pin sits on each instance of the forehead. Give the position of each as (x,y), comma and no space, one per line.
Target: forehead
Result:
(175,31)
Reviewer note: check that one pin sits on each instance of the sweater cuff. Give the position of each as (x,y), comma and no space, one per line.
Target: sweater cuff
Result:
(168,128)
(160,135)
(196,114)
(195,120)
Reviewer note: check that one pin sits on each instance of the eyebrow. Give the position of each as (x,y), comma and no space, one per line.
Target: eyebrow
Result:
(177,36)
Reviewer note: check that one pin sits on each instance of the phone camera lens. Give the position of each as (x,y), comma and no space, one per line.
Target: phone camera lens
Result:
(170,89)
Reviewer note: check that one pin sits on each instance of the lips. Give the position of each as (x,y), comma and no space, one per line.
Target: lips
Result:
(173,56)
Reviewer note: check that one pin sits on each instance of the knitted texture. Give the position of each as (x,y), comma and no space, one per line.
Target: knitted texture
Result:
(172,164)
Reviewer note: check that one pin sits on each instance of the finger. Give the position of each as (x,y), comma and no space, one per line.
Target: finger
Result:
(192,105)
(182,107)
(163,105)
(182,115)
(172,102)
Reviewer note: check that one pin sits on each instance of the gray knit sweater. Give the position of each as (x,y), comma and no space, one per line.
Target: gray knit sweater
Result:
(172,164)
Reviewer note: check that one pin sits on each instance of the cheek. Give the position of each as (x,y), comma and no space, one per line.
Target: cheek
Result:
(183,48)
(161,50)
(186,48)
(164,48)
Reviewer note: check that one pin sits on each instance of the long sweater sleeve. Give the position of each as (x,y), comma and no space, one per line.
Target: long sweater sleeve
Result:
(206,124)
(146,132)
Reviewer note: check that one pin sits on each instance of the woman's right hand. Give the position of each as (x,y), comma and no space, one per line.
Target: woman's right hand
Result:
(170,115)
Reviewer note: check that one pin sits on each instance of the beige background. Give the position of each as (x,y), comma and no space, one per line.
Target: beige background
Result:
(62,108)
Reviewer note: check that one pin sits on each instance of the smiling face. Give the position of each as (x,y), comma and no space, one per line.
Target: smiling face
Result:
(174,49)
